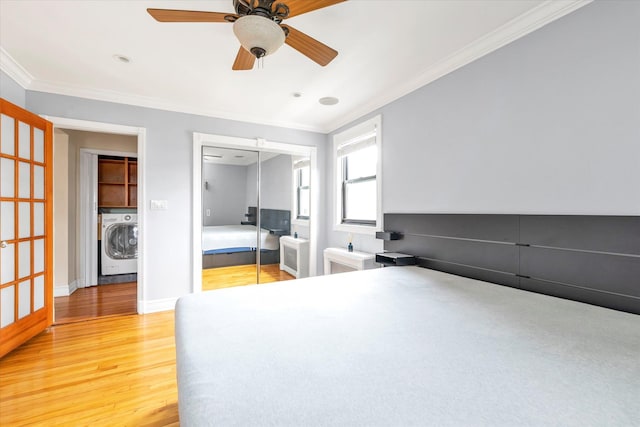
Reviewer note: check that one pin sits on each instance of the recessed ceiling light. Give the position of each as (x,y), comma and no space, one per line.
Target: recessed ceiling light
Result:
(121,58)
(239,157)
(297,94)
(328,100)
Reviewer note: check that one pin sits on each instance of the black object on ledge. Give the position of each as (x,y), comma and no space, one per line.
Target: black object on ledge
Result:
(388,235)
(278,231)
(395,258)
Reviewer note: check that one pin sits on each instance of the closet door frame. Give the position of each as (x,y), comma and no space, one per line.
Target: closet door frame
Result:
(201,140)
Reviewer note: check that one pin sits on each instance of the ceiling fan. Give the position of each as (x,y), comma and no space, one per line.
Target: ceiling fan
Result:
(258,26)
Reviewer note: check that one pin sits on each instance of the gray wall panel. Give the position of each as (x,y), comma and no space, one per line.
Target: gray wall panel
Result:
(493,256)
(474,273)
(610,273)
(595,233)
(597,273)
(617,302)
(498,228)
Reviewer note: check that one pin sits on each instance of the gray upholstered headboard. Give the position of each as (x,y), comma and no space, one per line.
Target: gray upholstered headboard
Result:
(593,259)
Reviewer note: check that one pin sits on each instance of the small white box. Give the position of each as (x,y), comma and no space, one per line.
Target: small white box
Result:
(294,256)
(337,260)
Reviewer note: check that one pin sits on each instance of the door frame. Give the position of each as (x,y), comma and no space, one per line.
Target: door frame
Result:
(255,144)
(140,133)
(88,219)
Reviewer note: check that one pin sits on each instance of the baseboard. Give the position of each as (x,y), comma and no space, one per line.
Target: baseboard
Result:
(65,290)
(154,306)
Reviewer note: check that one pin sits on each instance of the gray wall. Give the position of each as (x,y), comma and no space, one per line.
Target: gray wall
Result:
(549,124)
(275,183)
(225,196)
(168,175)
(251,190)
(12,91)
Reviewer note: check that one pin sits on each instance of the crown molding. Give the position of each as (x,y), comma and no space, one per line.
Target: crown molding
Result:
(155,103)
(14,70)
(524,24)
(534,19)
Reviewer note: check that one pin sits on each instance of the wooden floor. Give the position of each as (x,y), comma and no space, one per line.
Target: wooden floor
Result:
(96,301)
(115,371)
(240,275)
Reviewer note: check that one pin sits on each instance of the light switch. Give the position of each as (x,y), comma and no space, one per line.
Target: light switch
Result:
(159,205)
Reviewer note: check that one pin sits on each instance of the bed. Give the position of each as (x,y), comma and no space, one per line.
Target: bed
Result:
(223,238)
(227,245)
(403,346)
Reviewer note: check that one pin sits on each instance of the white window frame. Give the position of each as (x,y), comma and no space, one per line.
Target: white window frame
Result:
(294,204)
(355,132)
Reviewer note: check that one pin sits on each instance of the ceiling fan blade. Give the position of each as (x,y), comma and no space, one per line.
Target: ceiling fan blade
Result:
(169,15)
(298,7)
(244,60)
(310,47)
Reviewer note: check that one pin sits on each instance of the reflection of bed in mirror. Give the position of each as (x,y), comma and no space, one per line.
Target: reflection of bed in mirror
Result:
(228,245)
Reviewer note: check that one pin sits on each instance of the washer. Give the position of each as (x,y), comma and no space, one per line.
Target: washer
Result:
(119,243)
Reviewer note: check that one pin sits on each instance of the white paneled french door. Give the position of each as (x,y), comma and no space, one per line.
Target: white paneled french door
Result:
(26,251)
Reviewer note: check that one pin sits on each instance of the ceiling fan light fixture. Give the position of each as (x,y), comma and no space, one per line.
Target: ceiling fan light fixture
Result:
(260,36)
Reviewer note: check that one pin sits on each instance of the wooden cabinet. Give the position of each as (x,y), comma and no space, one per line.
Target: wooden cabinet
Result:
(117,182)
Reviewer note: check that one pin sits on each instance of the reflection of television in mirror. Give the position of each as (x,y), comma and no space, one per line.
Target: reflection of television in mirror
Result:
(251,215)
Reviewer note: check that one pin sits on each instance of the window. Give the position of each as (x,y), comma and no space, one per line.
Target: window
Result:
(358,179)
(302,177)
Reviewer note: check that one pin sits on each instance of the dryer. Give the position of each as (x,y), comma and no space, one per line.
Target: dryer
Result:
(119,246)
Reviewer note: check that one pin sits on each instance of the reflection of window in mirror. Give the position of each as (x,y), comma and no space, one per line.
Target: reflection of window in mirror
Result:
(302,174)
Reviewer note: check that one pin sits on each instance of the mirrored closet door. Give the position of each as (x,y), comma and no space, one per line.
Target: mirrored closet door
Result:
(275,178)
(255,215)
(229,217)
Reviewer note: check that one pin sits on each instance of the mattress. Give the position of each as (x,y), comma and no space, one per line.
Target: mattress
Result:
(403,346)
(220,237)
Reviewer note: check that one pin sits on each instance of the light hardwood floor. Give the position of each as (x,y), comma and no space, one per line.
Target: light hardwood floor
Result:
(110,371)
(96,301)
(240,275)
(115,371)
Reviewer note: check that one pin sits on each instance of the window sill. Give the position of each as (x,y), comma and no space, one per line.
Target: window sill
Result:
(357,229)
(302,222)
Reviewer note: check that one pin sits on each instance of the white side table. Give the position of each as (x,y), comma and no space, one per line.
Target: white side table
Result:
(294,256)
(346,261)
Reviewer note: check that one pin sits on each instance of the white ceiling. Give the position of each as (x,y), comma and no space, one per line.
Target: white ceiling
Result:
(386,49)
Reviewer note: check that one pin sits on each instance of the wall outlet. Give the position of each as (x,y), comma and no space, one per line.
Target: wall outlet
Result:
(208,212)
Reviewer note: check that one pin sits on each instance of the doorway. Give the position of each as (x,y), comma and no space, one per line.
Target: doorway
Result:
(248,186)
(104,178)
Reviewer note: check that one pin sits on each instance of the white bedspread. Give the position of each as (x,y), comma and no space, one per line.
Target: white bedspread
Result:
(236,236)
(403,346)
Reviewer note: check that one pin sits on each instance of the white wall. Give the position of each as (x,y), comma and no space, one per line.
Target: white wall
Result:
(168,174)
(12,91)
(61,216)
(549,124)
